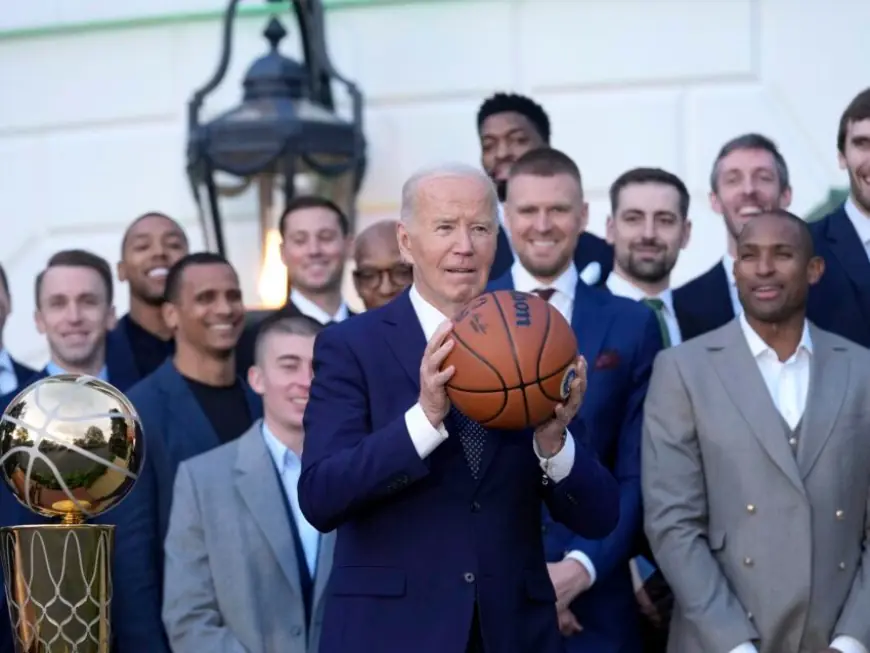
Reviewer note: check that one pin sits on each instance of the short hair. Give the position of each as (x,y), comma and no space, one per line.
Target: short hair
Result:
(411,186)
(314,202)
(149,214)
(858,110)
(751,141)
(4,279)
(278,322)
(806,235)
(176,273)
(544,162)
(649,176)
(78,258)
(515,103)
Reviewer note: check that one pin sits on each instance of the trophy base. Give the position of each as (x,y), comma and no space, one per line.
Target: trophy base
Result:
(58,585)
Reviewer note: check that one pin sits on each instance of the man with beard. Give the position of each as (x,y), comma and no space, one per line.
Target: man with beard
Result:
(756,475)
(840,302)
(191,404)
(509,125)
(315,243)
(380,274)
(749,177)
(648,227)
(546,213)
(152,244)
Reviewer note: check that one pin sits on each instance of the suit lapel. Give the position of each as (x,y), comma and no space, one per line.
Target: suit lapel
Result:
(195,432)
(739,373)
(324,564)
(849,251)
(120,361)
(829,381)
(257,485)
(404,335)
(590,333)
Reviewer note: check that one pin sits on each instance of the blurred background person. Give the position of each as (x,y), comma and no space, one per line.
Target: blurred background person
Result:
(13,374)
(380,273)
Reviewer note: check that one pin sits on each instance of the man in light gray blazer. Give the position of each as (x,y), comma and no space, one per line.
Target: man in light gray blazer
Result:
(756,467)
(245,572)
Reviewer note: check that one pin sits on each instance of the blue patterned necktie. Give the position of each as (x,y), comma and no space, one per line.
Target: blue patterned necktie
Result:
(472,436)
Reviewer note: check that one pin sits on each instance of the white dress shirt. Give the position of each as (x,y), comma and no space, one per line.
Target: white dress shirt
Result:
(728,263)
(861,223)
(312,310)
(788,383)
(563,301)
(8,380)
(426,437)
(622,287)
(289,468)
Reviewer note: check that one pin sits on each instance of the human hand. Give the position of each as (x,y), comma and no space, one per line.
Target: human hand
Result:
(570,579)
(568,624)
(433,395)
(550,434)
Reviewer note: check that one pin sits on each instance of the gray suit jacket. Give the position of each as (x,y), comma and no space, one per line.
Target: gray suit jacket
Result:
(231,580)
(762,537)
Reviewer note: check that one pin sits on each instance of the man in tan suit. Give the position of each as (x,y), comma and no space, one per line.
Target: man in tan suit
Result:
(756,467)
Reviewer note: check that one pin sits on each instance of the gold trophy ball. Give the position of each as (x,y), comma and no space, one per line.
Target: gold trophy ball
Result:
(71,446)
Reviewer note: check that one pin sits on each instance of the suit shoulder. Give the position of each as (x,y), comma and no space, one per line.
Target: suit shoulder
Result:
(699,282)
(829,339)
(213,462)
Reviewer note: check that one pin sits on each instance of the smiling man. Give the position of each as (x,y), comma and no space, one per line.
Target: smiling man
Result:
(152,244)
(749,176)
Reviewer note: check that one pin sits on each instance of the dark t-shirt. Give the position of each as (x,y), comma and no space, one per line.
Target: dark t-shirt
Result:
(226,408)
(149,351)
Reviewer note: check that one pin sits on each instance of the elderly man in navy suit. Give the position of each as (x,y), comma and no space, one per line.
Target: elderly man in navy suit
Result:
(598,612)
(193,403)
(438,545)
(840,302)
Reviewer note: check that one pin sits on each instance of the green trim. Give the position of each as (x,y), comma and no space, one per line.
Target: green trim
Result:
(245,11)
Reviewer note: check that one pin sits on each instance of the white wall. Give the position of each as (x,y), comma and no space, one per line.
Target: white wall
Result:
(92,121)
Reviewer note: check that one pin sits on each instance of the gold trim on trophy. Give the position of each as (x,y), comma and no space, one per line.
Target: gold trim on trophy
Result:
(71,447)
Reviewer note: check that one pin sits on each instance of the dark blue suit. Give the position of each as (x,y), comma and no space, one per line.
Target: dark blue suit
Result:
(175,428)
(23,373)
(704,303)
(623,335)
(420,542)
(590,248)
(840,302)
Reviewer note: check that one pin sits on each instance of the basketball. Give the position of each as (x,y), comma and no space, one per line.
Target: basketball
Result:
(514,356)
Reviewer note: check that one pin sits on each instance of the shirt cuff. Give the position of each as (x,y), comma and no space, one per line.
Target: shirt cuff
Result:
(746,647)
(559,466)
(848,644)
(584,560)
(424,436)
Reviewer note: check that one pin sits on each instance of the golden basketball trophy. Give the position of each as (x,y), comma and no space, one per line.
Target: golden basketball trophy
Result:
(71,448)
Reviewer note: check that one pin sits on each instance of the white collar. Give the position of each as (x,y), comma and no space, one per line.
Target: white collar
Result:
(622,287)
(430,317)
(312,310)
(281,454)
(860,221)
(565,284)
(728,264)
(758,347)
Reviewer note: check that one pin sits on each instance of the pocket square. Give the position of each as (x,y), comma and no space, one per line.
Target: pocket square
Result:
(607,360)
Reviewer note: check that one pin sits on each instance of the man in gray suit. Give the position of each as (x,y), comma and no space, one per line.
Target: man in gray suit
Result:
(756,467)
(245,572)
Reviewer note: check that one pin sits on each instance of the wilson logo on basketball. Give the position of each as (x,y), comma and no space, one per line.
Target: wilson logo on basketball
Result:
(522,316)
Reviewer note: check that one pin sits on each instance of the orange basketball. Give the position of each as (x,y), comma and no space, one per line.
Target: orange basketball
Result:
(514,358)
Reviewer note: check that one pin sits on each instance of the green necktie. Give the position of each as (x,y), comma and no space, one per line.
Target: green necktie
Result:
(658,307)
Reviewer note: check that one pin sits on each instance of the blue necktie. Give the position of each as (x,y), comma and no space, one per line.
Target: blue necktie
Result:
(472,436)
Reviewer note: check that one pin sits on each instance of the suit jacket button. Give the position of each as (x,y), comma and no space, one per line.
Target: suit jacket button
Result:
(842,566)
(840,515)
(750,509)
(475,507)
(792,442)
(296,631)
(748,562)
(468,577)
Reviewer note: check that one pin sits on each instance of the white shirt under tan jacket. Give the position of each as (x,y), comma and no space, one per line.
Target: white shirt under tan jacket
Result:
(756,478)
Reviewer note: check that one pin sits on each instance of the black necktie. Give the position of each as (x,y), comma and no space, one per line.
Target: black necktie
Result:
(472,436)
(544,293)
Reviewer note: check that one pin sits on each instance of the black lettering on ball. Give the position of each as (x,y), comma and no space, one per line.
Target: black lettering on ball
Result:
(522,315)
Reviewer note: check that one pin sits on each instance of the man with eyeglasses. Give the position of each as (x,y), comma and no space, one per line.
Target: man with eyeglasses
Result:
(380,273)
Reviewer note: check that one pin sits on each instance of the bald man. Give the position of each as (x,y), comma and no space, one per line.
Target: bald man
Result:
(380,273)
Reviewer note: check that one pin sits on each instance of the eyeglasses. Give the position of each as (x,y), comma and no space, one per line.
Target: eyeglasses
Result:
(399,275)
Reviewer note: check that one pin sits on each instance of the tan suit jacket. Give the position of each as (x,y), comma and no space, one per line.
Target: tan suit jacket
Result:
(762,537)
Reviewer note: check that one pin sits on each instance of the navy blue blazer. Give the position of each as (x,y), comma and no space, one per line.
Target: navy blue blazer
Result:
(175,428)
(704,303)
(23,373)
(840,302)
(619,338)
(589,248)
(419,542)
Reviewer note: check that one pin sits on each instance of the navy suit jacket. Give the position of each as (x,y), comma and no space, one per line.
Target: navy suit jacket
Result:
(175,428)
(23,374)
(589,248)
(840,302)
(704,303)
(619,338)
(420,542)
